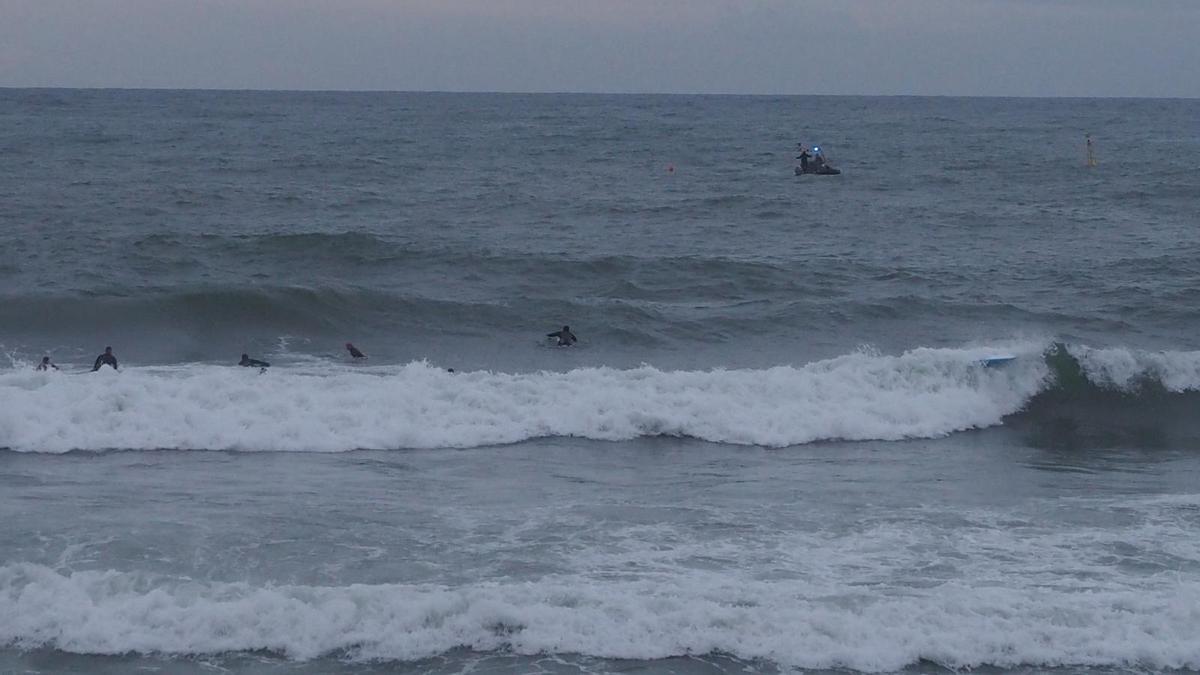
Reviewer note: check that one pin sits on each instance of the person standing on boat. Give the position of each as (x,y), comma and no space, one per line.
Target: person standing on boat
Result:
(803,157)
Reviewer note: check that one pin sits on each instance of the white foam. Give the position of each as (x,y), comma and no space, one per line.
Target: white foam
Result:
(793,623)
(860,396)
(1125,369)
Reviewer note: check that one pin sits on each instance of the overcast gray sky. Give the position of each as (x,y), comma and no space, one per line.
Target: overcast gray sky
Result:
(967,47)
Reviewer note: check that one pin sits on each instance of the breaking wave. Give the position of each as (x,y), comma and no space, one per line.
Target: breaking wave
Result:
(923,393)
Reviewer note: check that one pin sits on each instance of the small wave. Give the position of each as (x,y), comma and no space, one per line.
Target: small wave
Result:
(279,309)
(789,622)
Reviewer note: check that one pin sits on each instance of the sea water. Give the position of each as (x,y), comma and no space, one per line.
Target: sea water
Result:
(775,447)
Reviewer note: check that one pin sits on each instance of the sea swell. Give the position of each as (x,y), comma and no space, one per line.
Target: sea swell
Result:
(661,305)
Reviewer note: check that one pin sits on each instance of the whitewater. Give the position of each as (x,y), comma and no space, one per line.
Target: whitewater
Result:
(791,623)
(862,396)
(326,407)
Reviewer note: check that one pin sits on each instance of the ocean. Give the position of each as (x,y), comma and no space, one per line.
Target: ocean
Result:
(775,448)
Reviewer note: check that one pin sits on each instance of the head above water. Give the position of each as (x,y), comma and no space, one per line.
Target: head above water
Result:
(566,329)
(108,350)
(245,356)
(45,359)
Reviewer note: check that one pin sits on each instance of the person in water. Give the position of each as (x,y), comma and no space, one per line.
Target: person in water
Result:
(252,363)
(45,364)
(354,352)
(565,337)
(106,358)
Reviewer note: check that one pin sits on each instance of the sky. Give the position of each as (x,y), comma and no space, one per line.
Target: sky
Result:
(1141,48)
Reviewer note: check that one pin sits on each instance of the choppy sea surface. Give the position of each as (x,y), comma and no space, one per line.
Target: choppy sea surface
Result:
(776,447)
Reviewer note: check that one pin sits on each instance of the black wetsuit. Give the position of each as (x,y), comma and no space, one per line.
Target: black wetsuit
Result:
(565,337)
(253,363)
(46,365)
(803,161)
(105,358)
(354,352)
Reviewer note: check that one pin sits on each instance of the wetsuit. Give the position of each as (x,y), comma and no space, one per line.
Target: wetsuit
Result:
(103,359)
(46,365)
(253,363)
(803,161)
(565,337)
(354,352)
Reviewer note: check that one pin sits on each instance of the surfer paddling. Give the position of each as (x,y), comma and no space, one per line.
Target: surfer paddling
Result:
(565,337)
(105,359)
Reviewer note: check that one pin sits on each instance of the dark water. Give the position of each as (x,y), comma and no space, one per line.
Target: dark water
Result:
(774,448)
(188,226)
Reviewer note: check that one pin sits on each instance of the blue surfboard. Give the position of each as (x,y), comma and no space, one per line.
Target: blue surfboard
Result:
(996,361)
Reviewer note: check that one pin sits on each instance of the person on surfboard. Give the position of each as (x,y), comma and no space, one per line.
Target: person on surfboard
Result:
(248,362)
(565,337)
(106,358)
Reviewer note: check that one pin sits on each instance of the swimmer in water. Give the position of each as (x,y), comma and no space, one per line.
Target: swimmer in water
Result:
(46,365)
(354,352)
(106,358)
(253,363)
(565,337)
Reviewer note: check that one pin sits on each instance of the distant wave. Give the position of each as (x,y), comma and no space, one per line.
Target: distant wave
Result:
(277,308)
(662,302)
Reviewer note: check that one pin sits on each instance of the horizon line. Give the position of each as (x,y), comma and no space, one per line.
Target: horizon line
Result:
(587,93)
